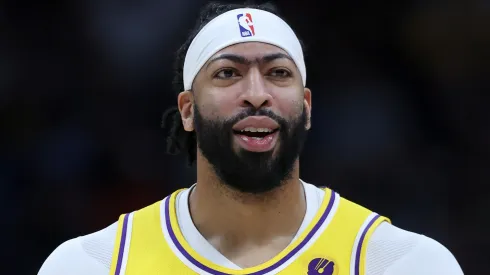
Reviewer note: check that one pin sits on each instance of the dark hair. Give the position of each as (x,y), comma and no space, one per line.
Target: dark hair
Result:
(178,139)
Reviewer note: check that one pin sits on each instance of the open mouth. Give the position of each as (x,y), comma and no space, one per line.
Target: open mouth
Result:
(256,133)
(257,139)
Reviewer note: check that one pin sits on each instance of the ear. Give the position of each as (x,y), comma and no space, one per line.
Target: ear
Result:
(185,102)
(307,103)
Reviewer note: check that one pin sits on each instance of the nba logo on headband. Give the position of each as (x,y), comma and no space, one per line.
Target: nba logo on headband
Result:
(246,24)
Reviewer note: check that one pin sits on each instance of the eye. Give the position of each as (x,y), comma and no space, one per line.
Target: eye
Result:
(280,73)
(226,74)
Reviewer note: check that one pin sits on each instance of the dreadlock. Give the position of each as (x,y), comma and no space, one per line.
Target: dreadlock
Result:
(179,140)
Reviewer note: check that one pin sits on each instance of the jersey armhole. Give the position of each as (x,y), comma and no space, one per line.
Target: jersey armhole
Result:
(358,258)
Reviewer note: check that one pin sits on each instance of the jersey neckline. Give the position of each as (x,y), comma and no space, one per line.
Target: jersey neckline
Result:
(190,257)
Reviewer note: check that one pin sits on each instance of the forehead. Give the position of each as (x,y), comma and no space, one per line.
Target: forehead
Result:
(250,50)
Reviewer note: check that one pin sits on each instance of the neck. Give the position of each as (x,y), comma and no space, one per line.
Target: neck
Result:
(220,212)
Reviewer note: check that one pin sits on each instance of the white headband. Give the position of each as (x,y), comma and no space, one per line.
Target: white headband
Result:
(238,26)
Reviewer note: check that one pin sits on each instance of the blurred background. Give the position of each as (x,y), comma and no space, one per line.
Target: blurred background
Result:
(401,122)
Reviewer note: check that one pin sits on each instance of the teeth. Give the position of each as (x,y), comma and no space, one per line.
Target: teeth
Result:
(254,138)
(252,129)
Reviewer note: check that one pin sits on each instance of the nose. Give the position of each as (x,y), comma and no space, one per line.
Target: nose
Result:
(256,93)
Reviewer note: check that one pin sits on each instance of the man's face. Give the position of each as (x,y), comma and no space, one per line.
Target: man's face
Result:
(251,115)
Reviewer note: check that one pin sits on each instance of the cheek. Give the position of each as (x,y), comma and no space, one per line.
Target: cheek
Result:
(217,105)
(290,104)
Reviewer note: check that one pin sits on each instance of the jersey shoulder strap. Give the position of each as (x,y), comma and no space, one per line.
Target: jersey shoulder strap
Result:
(361,222)
(139,235)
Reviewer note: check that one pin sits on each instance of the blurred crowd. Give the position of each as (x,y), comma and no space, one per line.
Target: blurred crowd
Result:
(400,115)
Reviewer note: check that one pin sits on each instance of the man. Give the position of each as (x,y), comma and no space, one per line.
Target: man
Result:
(243,117)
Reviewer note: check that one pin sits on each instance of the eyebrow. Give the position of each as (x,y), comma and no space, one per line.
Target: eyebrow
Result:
(243,60)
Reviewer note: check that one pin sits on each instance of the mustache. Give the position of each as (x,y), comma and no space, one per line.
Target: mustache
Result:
(256,112)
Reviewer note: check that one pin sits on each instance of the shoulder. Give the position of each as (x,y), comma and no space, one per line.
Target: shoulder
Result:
(89,254)
(392,250)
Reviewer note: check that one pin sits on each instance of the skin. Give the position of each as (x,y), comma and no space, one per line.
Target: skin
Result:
(248,229)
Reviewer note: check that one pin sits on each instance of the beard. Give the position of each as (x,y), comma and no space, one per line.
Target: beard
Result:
(246,171)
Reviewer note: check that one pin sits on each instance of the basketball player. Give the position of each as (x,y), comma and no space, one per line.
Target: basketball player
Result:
(242,117)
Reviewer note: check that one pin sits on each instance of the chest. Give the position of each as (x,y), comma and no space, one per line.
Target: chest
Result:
(245,255)
(333,244)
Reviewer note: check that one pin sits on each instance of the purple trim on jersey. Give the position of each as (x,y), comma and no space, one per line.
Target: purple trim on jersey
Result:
(359,245)
(260,272)
(122,243)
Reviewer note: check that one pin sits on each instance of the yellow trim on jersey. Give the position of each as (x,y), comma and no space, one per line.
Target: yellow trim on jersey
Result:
(176,229)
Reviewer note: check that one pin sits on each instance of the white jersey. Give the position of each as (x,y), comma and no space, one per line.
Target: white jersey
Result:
(390,251)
